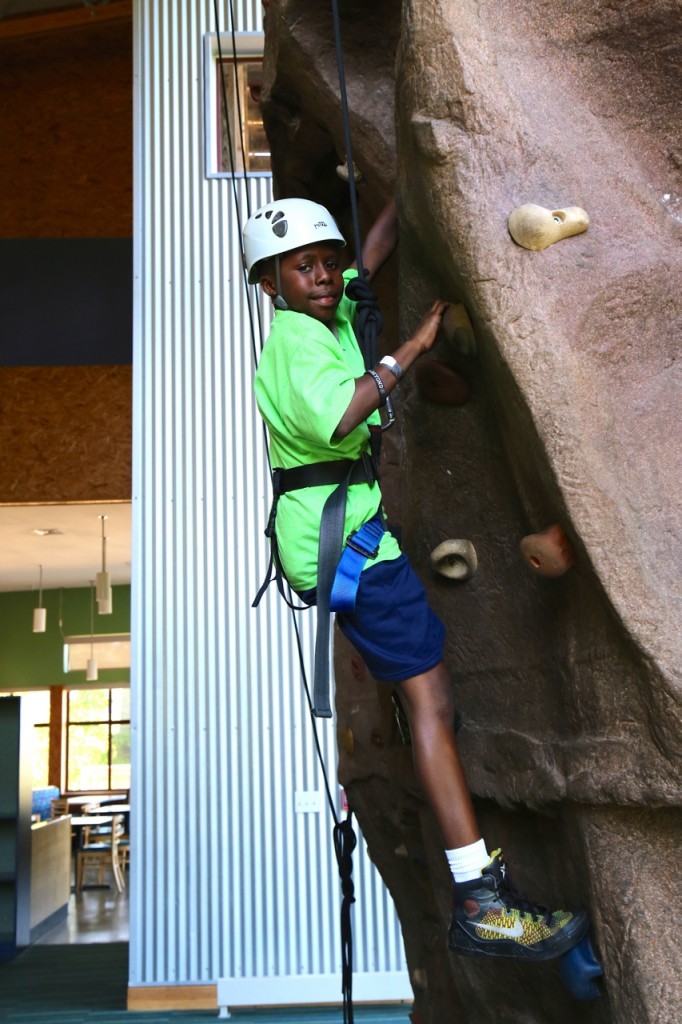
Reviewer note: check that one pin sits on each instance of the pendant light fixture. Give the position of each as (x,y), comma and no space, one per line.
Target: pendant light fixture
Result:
(40,613)
(104,598)
(91,671)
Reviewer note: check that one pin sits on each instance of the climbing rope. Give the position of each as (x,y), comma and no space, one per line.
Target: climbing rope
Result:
(369,323)
(344,838)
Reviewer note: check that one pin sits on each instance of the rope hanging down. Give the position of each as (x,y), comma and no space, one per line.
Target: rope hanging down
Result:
(368,313)
(369,322)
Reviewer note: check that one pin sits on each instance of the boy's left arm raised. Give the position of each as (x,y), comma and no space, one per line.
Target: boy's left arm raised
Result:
(381,240)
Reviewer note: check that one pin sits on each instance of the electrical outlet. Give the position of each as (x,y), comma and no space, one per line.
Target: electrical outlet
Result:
(308,801)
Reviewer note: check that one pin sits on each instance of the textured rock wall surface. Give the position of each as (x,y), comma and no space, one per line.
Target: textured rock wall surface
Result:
(567,687)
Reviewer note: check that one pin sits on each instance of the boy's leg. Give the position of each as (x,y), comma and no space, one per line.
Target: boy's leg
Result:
(490,917)
(428,702)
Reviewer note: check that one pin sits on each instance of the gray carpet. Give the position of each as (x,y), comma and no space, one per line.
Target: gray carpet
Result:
(86,984)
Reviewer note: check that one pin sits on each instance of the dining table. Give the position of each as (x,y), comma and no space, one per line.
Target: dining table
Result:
(79,823)
(81,801)
(123,809)
(89,820)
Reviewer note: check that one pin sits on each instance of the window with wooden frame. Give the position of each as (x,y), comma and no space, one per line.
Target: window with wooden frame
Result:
(236,142)
(98,739)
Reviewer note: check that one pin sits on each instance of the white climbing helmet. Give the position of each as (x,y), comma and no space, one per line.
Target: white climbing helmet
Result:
(283,225)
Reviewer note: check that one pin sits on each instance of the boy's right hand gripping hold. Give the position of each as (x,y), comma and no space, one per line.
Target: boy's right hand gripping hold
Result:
(427,331)
(371,393)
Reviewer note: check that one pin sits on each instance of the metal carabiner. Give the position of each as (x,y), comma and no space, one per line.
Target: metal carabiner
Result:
(390,414)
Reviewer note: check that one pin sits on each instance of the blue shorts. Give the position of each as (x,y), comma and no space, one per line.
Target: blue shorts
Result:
(393,626)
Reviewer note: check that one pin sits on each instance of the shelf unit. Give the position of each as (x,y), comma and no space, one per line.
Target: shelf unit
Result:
(15,827)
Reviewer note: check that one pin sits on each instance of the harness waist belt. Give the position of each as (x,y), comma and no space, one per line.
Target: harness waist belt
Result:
(361,545)
(342,473)
(317,474)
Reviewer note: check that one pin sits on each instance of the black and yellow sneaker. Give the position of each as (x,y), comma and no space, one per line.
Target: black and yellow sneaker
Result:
(491,918)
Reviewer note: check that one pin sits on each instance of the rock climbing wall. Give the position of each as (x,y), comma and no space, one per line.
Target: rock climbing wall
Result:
(550,444)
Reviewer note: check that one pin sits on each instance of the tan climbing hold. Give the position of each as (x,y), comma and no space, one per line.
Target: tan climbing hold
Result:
(458,329)
(344,173)
(439,383)
(455,559)
(548,553)
(535,227)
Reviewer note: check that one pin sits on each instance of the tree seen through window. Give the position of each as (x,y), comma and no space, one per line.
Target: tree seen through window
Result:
(98,739)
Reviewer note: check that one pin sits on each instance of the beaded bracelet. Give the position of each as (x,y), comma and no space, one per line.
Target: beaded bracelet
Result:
(380,386)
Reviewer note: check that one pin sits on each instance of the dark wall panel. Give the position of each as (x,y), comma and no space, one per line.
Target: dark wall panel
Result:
(66,301)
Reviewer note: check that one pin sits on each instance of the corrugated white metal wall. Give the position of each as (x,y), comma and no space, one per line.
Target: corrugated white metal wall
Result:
(228,881)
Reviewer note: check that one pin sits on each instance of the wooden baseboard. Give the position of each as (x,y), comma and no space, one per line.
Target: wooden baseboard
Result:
(172,997)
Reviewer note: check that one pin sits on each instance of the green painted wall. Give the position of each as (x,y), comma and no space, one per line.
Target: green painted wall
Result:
(37,659)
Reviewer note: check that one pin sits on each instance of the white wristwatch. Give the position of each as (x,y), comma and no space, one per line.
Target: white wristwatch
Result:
(393,366)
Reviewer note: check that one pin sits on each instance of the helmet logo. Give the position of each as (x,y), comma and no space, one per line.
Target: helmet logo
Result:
(321,224)
(279,225)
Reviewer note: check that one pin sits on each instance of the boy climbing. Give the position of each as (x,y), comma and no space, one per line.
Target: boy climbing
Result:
(321,408)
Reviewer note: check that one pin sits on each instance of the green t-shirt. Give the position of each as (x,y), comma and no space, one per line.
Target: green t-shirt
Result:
(304,383)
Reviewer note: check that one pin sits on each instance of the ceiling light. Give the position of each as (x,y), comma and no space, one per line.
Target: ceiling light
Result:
(91,670)
(40,613)
(104,599)
(47,531)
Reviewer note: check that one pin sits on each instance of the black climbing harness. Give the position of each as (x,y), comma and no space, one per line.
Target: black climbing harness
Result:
(344,473)
(315,474)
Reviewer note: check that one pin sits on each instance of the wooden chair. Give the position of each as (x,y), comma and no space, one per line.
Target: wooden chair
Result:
(124,852)
(59,806)
(101,854)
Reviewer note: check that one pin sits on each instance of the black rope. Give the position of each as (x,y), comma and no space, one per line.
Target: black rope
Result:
(368,326)
(369,323)
(343,835)
(344,844)
(347,138)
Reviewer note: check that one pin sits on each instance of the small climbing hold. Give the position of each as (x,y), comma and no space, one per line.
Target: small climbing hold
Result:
(455,559)
(549,553)
(375,738)
(580,969)
(347,742)
(401,851)
(344,173)
(458,329)
(535,227)
(419,978)
(440,383)
(358,667)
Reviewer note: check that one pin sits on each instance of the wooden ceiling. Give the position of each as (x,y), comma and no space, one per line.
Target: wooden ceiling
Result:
(35,17)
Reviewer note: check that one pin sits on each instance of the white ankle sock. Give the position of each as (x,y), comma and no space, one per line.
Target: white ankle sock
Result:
(467,862)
